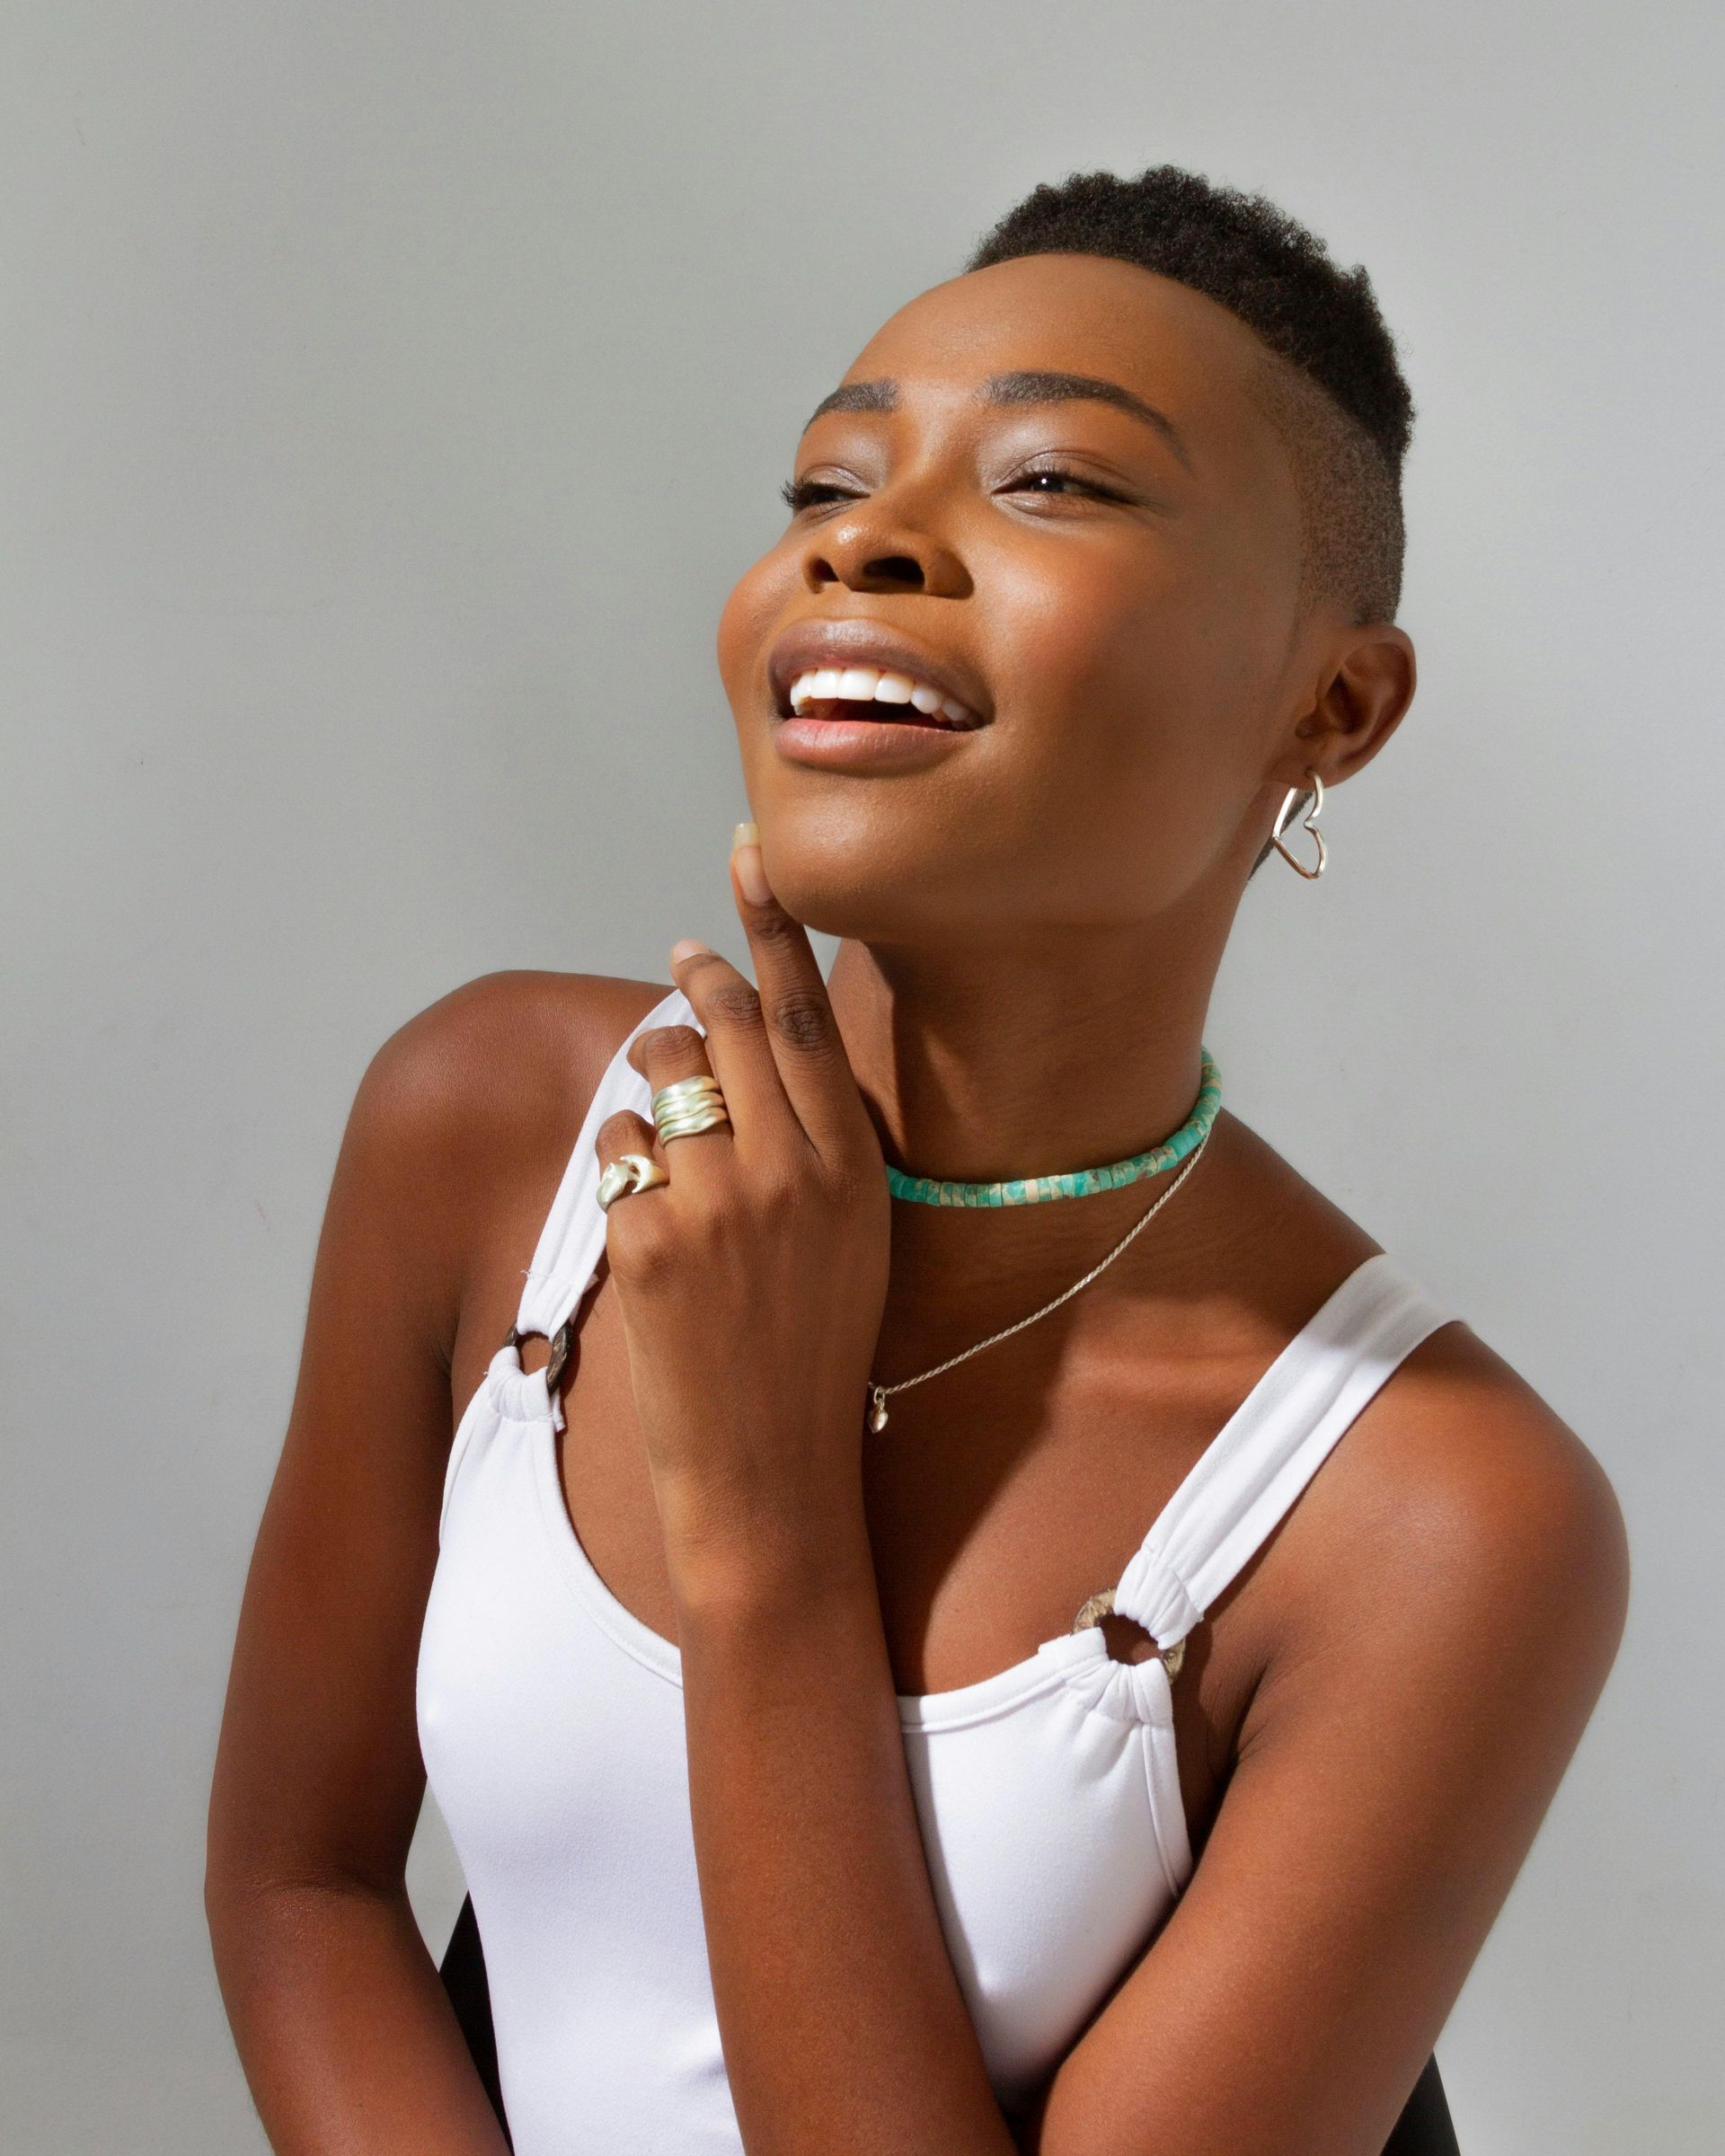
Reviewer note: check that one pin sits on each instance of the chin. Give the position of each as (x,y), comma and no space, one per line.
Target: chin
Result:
(859,906)
(873,892)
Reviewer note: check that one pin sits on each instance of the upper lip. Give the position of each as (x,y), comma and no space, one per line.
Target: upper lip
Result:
(857,643)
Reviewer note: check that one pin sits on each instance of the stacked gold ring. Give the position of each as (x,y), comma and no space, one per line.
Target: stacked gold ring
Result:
(684,1111)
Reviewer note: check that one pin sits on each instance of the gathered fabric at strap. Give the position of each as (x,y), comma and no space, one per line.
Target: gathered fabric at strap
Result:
(572,1239)
(1268,1450)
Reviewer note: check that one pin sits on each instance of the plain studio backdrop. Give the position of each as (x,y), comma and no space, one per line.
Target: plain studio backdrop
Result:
(389,396)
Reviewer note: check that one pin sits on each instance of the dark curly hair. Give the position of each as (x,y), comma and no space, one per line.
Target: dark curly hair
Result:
(1334,387)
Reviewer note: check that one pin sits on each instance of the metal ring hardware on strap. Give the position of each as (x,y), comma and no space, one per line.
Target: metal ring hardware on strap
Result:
(1102,1604)
(562,1342)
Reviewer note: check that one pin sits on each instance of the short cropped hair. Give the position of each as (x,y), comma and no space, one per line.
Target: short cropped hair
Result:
(1331,381)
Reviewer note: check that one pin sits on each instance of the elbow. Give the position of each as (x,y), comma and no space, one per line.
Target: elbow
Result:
(260,1909)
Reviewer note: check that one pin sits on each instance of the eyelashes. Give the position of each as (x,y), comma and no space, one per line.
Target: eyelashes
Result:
(799,494)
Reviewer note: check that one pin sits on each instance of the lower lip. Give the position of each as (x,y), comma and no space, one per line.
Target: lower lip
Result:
(866,745)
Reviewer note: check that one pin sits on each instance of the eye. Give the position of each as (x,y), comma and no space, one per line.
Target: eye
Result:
(799,494)
(1063,481)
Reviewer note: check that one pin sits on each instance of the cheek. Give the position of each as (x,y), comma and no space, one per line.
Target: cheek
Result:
(1128,698)
(757,600)
(1097,681)
(1124,688)
(1122,646)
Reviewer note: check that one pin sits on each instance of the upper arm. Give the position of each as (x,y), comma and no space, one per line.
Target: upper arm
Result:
(1393,1770)
(318,1770)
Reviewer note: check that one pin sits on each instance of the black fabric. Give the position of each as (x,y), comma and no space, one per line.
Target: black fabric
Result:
(463,1971)
(1423,2129)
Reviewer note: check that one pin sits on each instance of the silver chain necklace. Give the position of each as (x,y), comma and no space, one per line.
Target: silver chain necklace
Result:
(880,1394)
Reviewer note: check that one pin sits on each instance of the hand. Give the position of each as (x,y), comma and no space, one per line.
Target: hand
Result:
(751,1286)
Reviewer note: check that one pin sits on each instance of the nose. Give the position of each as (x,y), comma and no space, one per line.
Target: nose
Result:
(871,546)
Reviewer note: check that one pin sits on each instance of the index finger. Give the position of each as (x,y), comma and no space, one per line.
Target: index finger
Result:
(801,1028)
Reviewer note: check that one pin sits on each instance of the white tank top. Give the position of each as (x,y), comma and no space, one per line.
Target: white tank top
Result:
(551,1720)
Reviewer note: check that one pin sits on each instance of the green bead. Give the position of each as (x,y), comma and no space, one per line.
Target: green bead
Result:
(1082,1182)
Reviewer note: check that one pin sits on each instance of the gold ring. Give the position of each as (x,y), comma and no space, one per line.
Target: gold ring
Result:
(629,1172)
(691,1126)
(689,1106)
(686,1090)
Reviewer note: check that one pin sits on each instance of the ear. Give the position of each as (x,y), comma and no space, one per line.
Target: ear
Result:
(1364,684)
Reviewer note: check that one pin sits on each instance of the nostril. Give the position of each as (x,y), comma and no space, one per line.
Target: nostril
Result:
(895,569)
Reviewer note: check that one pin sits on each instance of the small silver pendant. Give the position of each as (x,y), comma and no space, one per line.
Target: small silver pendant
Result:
(877,1412)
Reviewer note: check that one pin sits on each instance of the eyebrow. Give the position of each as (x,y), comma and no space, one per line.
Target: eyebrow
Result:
(1028,385)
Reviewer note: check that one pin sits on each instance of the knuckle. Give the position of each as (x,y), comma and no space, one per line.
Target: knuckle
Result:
(709,1231)
(802,1021)
(773,928)
(734,1003)
(670,1043)
(640,1250)
(848,1185)
(781,1194)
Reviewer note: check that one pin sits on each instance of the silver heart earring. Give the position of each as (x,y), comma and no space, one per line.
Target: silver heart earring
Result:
(1309,822)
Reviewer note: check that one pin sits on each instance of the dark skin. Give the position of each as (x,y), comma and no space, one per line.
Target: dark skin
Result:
(1371,1723)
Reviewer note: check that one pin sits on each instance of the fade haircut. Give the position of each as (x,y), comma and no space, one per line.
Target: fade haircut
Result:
(1329,382)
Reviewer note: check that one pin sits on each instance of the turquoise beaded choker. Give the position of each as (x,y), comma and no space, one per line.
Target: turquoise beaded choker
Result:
(1083,1183)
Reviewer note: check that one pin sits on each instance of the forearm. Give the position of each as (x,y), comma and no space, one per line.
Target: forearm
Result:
(843,2023)
(342,2025)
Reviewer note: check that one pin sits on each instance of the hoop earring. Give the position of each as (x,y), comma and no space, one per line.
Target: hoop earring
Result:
(1309,822)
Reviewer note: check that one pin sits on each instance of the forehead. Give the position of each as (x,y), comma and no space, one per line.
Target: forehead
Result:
(1089,314)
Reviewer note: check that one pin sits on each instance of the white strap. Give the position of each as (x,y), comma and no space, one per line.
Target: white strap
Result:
(1273,1444)
(572,1239)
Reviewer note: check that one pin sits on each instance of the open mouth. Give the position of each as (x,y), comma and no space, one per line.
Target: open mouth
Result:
(874,696)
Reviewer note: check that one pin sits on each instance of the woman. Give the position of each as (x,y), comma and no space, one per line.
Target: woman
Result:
(893,1670)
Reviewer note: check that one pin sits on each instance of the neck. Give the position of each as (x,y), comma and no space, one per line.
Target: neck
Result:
(1053,1052)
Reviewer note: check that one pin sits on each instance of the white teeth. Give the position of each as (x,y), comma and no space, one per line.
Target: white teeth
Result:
(869,684)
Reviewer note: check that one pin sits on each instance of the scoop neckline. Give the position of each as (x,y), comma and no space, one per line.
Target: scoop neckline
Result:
(521,1396)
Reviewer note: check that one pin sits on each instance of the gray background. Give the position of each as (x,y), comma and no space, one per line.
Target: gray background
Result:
(389,396)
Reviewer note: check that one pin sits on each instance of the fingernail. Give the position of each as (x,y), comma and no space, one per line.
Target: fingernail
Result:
(751,872)
(686,948)
(745,835)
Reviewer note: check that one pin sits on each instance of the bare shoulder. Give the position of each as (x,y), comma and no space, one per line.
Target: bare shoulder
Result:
(1464,1531)
(1428,1631)
(461,1128)
(1460,1515)
(494,1056)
